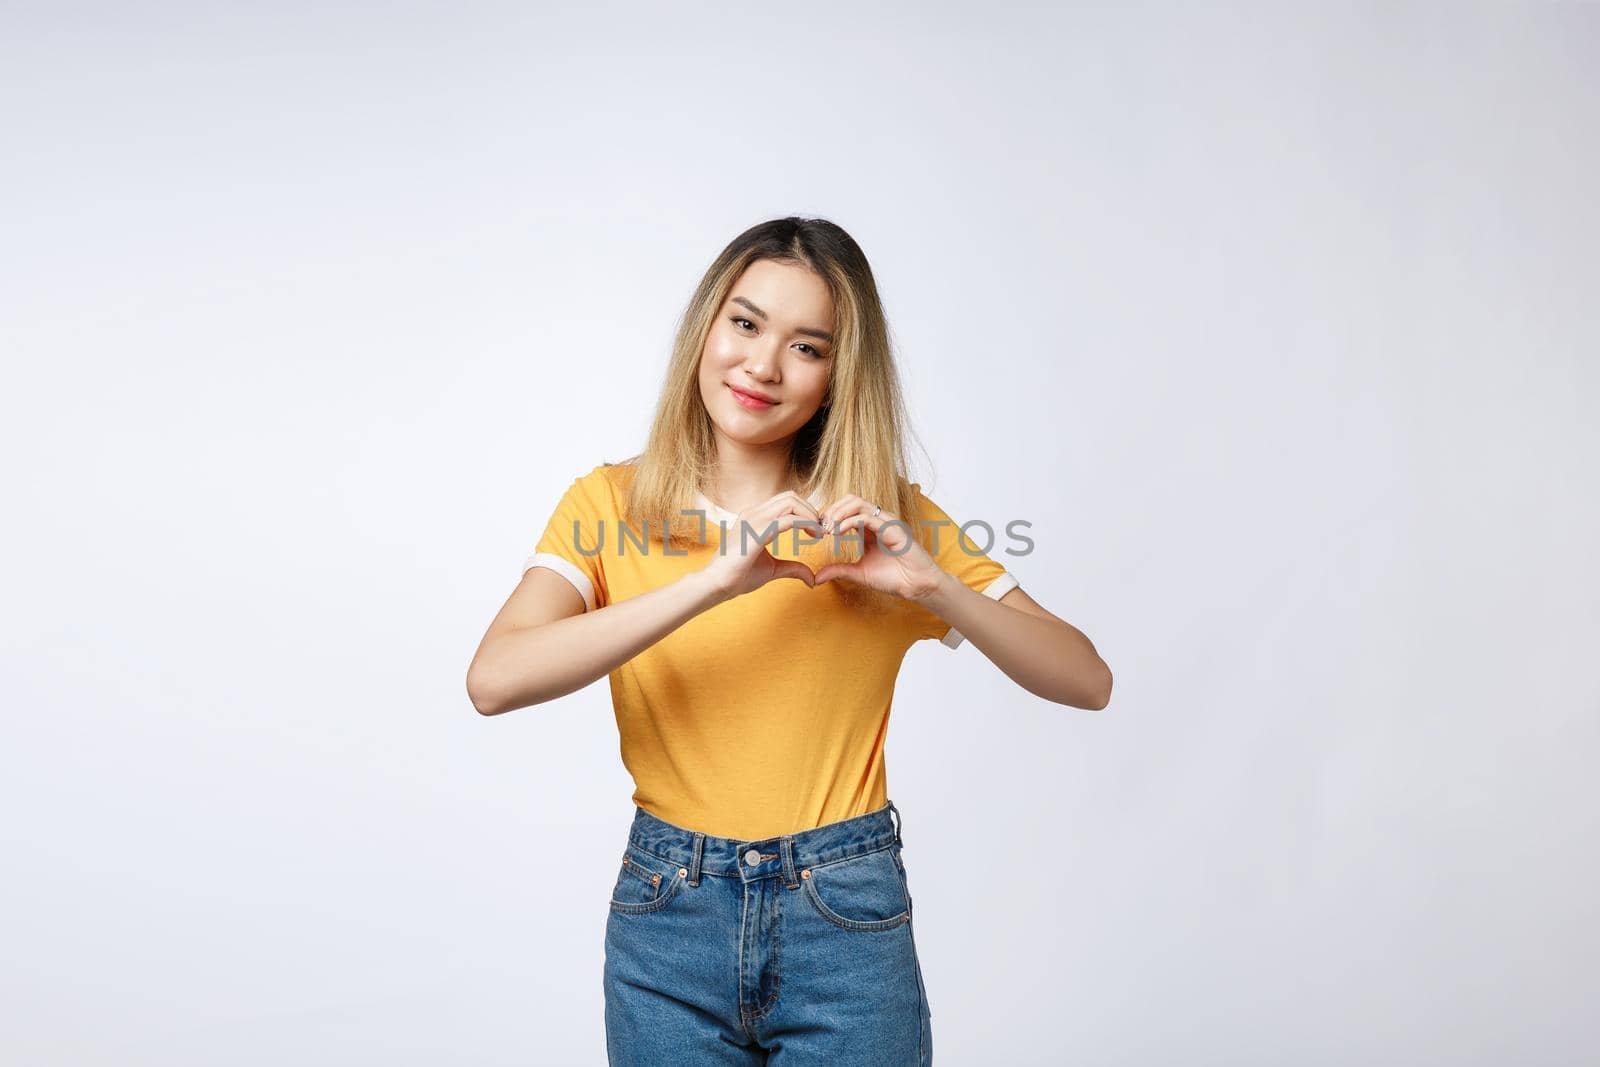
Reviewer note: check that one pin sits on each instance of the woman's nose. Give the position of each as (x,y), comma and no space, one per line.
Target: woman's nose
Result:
(761,363)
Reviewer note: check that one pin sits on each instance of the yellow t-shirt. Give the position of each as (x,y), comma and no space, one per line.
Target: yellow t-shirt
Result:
(766,714)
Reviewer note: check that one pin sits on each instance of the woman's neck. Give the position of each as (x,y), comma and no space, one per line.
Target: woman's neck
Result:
(748,476)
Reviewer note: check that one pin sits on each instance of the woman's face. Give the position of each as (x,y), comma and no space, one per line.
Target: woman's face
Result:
(772,339)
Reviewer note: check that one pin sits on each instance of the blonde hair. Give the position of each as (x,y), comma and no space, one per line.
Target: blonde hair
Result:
(855,443)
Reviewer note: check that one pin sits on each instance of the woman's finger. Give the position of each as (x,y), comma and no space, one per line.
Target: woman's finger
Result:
(835,512)
(784,503)
(847,572)
(876,523)
(789,500)
(793,568)
(766,532)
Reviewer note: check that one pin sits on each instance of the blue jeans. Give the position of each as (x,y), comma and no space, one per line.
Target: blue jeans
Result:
(797,947)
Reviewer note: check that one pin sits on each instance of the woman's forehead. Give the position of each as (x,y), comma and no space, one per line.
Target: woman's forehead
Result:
(783,291)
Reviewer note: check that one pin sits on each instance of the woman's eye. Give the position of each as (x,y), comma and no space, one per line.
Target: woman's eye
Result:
(745,324)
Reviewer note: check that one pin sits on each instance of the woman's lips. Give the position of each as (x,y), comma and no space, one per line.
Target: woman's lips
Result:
(754,403)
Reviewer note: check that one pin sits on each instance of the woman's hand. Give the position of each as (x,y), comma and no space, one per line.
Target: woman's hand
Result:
(892,560)
(743,564)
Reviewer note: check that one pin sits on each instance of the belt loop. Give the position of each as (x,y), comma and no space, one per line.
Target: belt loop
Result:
(786,850)
(894,811)
(694,858)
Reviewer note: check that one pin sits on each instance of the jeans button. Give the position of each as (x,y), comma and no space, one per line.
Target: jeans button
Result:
(752,857)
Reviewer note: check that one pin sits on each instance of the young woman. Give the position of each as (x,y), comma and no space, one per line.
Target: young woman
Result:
(750,583)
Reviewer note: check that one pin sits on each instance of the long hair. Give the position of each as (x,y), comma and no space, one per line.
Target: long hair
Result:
(855,443)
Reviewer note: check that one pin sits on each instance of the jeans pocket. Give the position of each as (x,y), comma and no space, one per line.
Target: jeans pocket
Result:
(862,893)
(645,883)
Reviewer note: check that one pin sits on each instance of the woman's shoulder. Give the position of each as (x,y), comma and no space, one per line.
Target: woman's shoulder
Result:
(928,512)
(924,503)
(619,472)
(609,480)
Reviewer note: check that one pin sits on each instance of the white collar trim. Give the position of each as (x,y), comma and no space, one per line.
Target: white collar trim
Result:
(715,511)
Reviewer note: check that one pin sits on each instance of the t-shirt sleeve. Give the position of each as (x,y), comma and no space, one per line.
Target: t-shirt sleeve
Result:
(963,556)
(571,543)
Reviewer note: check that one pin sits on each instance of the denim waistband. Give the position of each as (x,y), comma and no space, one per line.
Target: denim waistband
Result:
(784,854)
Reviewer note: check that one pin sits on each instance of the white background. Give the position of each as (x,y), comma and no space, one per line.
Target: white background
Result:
(1280,327)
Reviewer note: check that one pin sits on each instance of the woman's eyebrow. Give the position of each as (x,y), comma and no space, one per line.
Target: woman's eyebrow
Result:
(758,313)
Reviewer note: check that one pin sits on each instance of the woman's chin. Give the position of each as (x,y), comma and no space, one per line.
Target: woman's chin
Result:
(751,433)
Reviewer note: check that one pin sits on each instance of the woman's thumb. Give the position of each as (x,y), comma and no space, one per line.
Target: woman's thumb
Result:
(793,568)
(847,571)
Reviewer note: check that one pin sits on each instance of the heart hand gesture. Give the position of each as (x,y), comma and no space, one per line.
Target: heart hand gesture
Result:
(892,560)
(744,564)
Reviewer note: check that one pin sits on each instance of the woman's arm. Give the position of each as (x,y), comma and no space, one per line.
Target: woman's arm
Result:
(543,644)
(1046,655)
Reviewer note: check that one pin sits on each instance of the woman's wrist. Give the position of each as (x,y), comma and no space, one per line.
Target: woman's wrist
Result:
(708,593)
(936,593)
